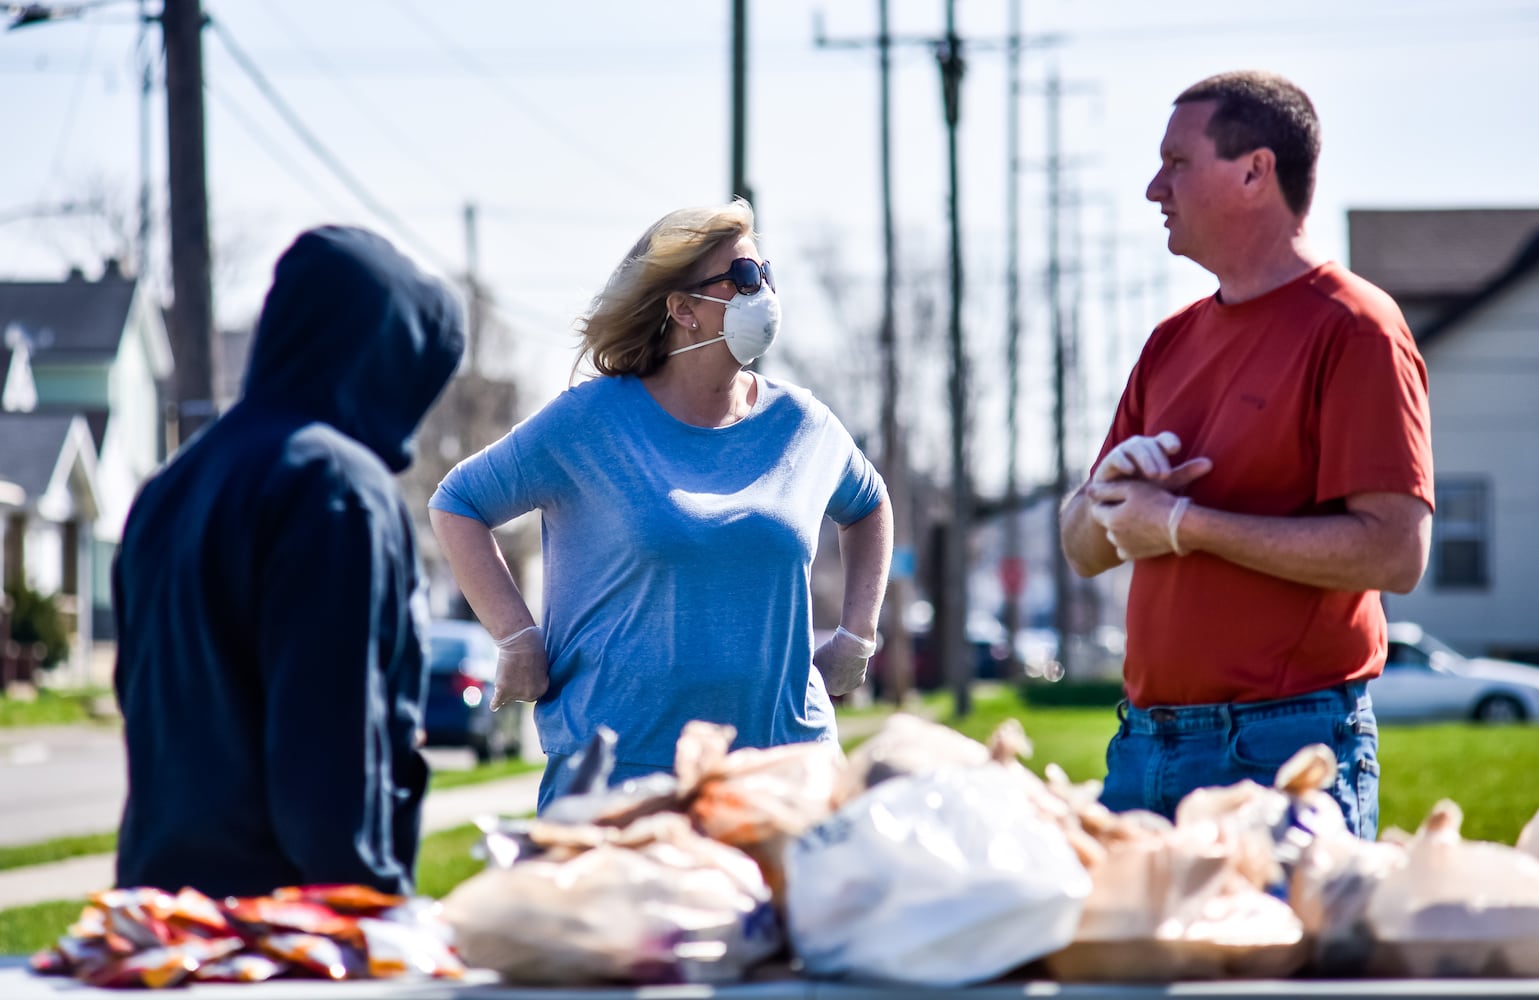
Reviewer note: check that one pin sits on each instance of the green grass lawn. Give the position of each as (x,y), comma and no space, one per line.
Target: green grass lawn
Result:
(51,708)
(22,855)
(445,778)
(26,929)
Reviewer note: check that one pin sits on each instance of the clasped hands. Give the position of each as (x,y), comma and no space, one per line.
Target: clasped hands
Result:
(1133,495)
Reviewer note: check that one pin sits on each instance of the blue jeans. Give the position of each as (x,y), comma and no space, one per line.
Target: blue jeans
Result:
(1160,754)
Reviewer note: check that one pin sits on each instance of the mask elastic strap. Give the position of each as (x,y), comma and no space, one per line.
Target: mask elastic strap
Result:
(703,343)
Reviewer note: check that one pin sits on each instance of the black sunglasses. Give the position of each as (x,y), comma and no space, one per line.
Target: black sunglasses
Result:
(745,273)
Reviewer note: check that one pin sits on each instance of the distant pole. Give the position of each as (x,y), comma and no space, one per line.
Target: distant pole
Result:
(1015,562)
(192,311)
(959,666)
(474,312)
(146,81)
(899,652)
(740,187)
(1062,616)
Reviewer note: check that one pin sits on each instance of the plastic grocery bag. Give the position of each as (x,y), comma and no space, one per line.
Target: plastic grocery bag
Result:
(1171,904)
(654,902)
(1187,900)
(942,879)
(1456,907)
(755,799)
(907,744)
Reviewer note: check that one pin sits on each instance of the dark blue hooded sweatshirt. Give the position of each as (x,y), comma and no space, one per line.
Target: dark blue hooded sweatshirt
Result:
(268,596)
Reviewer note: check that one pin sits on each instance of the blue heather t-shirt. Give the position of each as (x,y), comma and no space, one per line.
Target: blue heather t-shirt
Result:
(677,560)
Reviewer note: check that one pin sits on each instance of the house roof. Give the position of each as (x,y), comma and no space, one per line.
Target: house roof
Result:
(1524,263)
(70,320)
(30,447)
(1422,253)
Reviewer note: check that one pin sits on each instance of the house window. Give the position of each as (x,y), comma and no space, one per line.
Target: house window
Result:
(1461,534)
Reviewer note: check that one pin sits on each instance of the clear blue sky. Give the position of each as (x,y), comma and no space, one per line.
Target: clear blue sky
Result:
(573,125)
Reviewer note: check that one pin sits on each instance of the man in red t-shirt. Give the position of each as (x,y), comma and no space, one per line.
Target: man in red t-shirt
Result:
(1268,470)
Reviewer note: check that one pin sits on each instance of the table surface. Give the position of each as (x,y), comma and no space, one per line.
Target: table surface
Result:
(18,983)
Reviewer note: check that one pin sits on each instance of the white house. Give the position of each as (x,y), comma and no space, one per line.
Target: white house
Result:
(1468,281)
(96,350)
(48,512)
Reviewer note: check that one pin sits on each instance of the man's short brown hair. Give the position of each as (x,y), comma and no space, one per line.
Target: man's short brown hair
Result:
(1257,109)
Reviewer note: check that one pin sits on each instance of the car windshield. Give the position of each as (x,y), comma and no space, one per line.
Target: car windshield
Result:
(445,653)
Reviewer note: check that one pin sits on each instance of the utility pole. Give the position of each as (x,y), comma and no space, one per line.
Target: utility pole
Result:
(1013,569)
(146,81)
(948,634)
(740,188)
(475,311)
(192,310)
(954,636)
(1062,618)
(900,653)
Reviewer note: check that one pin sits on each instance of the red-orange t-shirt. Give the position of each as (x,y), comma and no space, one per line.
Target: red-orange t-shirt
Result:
(1302,397)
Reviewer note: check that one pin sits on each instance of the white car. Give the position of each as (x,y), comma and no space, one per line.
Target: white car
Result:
(1425,680)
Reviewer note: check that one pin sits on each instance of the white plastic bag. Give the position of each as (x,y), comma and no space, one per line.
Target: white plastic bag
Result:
(941,879)
(1456,907)
(652,903)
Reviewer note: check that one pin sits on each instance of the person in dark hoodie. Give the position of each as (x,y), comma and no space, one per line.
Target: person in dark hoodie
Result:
(268,600)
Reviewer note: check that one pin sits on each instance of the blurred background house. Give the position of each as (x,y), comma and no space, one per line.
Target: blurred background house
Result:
(85,365)
(1468,282)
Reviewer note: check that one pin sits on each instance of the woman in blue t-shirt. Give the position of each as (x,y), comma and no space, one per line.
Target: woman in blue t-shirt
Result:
(681,498)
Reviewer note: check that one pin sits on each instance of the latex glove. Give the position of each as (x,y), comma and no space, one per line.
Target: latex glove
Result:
(842,661)
(523,673)
(1138,457)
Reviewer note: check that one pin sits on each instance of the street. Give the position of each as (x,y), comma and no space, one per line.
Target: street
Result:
(59,781)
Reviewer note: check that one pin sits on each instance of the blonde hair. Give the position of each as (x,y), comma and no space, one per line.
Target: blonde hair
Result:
(624,331)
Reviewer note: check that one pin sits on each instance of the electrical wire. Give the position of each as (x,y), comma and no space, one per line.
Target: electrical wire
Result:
(551,124)
(265,141)
(320,151)
(349,181)
(73,108)
(408,145)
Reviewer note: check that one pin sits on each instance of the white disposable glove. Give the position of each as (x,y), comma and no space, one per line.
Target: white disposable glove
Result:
(842,661)
(1138,456)
(523,673)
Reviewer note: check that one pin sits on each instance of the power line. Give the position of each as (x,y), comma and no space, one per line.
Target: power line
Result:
(626,172)
(68,126)
(404,144)
(322,153)
(265,140)
(346,178)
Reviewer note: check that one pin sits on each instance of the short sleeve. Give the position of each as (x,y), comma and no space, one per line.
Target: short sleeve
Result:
(1375,423)
(860,489)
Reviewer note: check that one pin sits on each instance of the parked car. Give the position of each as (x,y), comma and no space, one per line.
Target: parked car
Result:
(1426,680)
(462,670)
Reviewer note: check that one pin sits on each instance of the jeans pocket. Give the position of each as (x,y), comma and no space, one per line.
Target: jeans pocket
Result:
(1262,745)
(1126,762)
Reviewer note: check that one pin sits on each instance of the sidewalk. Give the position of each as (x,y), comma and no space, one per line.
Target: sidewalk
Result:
(76,878)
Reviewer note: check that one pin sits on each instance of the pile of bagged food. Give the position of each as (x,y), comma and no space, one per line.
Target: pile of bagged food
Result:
(148,938)
(925,857)
(922,857)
